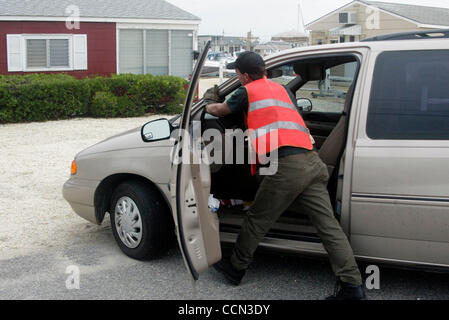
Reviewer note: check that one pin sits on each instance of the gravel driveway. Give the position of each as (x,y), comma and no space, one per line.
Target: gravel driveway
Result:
(35,161)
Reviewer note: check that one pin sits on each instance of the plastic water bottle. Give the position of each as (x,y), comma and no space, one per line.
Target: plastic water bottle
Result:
(214,204)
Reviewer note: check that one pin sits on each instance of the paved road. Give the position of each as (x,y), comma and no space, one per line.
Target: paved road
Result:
(105,273)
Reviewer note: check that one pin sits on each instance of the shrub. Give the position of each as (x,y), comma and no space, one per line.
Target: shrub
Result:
(174,109)
(140,94)
(160,94)
(127,107)
(104,104)
(121,85)
(41,97)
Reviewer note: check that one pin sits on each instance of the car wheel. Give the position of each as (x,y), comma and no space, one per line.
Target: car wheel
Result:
(140,220)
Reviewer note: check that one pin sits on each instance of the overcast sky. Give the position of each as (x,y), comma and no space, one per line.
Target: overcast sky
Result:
(266,17)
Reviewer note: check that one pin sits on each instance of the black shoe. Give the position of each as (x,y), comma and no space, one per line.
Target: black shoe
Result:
(347,291)
(231,274)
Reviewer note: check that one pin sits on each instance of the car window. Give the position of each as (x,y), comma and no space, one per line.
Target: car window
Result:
(409,96)
(283,75)
(329,95)
(326,96)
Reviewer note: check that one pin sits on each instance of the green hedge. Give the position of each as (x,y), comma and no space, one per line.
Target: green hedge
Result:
(40,97)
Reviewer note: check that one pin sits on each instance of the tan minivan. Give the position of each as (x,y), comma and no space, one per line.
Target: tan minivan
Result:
(379,113)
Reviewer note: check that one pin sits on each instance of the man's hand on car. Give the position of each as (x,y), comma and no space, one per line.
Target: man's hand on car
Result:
(212,95)
(215,104)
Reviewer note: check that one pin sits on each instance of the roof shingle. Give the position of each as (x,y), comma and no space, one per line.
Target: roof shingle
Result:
(421,14)
(129,9)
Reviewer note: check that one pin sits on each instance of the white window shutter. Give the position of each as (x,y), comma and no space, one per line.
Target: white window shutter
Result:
(80,52)
(15,52)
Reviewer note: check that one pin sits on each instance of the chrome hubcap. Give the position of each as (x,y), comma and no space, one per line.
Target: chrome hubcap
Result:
(128,222)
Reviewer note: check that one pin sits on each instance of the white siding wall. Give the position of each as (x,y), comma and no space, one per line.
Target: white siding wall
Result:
(181,63)
(157,52)
(158,49)
(131,51)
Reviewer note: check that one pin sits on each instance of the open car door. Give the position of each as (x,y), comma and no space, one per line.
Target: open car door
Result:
(197,227)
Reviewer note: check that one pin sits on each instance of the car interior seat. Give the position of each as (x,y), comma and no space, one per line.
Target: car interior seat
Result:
(331,149)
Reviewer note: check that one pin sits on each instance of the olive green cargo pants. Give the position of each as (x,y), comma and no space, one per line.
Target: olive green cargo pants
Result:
(301,181)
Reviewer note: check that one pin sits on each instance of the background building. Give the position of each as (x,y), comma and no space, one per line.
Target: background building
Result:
(295,38)
(223,43)
(271,47)
(137,36)
(364,19)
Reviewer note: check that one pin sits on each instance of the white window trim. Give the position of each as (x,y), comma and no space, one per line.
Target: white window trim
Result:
(117,50)
(26,37)
(169,54)
(194,23)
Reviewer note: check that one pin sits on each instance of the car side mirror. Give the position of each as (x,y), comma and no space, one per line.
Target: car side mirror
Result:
(156,130)
(304,104)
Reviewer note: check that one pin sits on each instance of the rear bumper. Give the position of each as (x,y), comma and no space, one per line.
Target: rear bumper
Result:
(79,193)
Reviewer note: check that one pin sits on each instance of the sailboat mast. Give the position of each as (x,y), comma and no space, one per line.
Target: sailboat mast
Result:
(300,19)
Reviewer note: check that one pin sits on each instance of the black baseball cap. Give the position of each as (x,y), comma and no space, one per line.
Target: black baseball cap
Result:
(247,62)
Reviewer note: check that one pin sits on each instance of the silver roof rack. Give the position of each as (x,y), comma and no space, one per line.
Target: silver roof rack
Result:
(413,35)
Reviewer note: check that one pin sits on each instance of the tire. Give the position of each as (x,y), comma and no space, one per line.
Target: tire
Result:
(144,226)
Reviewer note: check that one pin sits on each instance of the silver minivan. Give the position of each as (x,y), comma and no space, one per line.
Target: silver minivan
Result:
(379,113)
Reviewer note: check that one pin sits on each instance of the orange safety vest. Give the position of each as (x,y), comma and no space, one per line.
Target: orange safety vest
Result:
(271,111)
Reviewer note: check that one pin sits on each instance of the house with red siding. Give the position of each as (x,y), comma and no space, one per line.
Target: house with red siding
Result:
(101,37)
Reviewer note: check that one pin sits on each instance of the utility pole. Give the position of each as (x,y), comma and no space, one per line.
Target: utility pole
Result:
(249,40)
